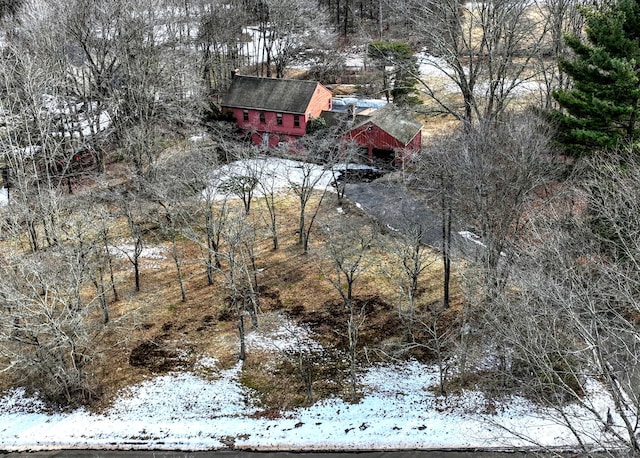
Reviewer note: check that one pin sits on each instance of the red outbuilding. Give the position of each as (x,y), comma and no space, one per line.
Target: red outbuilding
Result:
(388,134)
(275,110)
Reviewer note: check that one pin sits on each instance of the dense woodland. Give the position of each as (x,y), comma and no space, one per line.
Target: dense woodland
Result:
(111,136)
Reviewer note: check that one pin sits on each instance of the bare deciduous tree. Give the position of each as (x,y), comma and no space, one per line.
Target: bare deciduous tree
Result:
(221,25)
(306,180)
(348,247)
(240,273)
(171,188)
(563,17)
(116,61)
(492,176)
(50,323)
(486,49)
(410,258)
(205,206)
(291,27)
(569,322)
(267,185)
(303,354)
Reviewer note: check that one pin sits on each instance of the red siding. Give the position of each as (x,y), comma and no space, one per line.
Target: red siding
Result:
(320,101)
(373,137)
(416,143)
(271,125)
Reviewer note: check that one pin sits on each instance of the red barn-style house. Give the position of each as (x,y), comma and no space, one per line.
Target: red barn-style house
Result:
(275,110)
(387,134)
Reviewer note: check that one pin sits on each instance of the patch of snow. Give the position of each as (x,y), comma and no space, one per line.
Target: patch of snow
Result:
(79,119)
(475,238)
(197,138)
(125,250)
(253,45)
(397,411)
(354,61)
(16,401)
(286,337)
(516,88)
(85,126)
(4,197)
(353,166)
(183,392)
(273,174)
(27,151)
(433,66)
(524,88)
(206,363)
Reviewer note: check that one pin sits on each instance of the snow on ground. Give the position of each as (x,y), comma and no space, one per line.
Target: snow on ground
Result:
(355,59)
(149,256)
(431,66)
(189,411)
(475,238)
(274,174)
(127,250)
(286,336)
(210,409)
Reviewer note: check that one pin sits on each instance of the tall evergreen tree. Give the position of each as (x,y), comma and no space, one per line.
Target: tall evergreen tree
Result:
(601,109)
(400,56)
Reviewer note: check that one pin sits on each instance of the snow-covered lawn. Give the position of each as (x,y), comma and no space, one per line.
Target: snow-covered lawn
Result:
(209,409)
(194,412)
(274,174)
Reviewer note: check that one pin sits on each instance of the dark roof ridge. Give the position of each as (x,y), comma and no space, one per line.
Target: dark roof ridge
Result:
(394,120)
(273,78)
(270,94)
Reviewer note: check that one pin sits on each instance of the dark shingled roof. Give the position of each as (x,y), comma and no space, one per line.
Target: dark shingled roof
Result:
(269,94)
(396,122)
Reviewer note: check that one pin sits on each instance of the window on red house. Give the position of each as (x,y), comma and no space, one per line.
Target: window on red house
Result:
(262,117)
(296,120)
(279,119)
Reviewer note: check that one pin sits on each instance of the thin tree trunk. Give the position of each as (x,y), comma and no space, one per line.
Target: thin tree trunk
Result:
(100,289)
(178,263)
(105,242)
(446,242)
(241,331)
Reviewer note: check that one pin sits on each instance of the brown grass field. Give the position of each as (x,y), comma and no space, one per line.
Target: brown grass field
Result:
(153,332)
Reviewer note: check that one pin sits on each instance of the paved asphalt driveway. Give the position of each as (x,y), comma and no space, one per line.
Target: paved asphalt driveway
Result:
(396,207)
